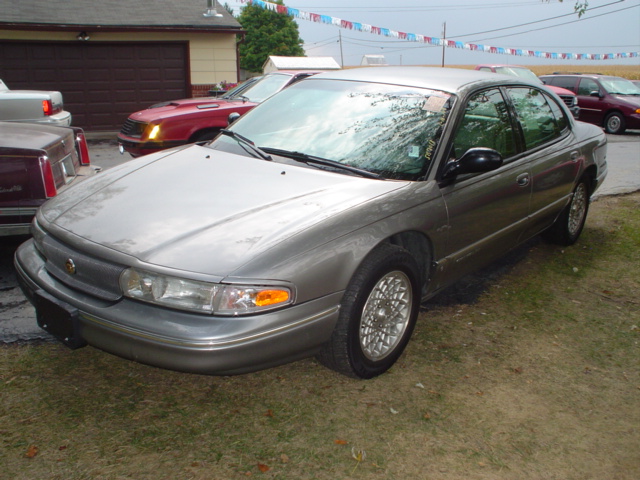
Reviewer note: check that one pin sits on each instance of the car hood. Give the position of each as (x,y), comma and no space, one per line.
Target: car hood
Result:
(178,107)
(632,99)
(201,210)
(560,90)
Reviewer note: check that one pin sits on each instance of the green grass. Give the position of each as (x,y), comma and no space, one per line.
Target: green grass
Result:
(538,377)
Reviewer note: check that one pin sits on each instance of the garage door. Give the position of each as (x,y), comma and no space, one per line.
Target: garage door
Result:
(102,83)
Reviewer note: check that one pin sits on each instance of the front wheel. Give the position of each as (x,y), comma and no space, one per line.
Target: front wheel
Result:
(569,225)
(377,315)
(614,123)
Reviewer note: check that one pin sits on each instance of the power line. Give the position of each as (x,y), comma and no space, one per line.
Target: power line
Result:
(415,8)
(377,42)
(558,25)
(534,22)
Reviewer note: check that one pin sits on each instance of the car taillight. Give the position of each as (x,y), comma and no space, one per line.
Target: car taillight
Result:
(47,107)
(82,147)
(50,189)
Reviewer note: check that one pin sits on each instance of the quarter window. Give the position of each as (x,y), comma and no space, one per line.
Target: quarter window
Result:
(540,117)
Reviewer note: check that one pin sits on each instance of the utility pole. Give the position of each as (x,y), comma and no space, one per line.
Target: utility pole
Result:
(341,56)
(444,39)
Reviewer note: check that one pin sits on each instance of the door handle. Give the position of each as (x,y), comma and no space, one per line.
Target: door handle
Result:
(523,179)
(575,155)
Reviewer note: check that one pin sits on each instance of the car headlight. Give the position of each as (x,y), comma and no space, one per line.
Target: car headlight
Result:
(203,297)
(154,132)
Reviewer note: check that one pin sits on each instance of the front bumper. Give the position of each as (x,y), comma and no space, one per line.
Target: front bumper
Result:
(137,148)
(179,340)
(633,121)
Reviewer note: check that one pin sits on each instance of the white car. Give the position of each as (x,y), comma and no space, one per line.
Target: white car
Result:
(33,106)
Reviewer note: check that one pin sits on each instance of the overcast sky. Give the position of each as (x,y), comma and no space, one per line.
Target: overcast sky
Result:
(609,26)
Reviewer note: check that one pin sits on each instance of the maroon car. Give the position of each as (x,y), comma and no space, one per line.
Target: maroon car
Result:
(610,102)
(36,163)
(179,122)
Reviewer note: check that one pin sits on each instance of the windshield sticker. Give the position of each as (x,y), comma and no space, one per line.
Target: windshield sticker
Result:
(414,151)
(435,104)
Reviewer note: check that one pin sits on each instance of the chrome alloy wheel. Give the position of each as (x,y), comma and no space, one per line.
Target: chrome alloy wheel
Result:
(386,315)
(578,209)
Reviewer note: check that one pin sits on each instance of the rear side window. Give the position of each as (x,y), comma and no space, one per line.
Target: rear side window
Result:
(542,120)
(563,82)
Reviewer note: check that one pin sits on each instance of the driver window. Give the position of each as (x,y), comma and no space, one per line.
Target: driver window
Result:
(485,124)
(587,87)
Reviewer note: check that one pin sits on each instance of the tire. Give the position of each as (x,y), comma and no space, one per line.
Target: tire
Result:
(377,314)
(614,123)
(568,226)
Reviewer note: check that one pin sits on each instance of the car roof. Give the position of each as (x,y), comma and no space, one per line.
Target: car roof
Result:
(291,72)
(588,75)
(445,79)
(501,65)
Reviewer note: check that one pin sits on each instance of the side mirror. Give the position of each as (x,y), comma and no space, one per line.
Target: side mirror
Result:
(474,160)
(595,93)
(233,116)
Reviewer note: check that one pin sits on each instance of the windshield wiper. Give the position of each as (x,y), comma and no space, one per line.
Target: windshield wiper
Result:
(244,141)
(310,159)
(244,98)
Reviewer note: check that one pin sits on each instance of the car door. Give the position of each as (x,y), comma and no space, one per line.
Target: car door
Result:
(553,156)
(590,100)
(487,210)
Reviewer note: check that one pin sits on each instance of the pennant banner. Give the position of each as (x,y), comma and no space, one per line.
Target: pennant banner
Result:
(435,41)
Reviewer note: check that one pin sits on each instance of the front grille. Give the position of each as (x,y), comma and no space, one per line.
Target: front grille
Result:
(91,275)
(569,100)
(131,128)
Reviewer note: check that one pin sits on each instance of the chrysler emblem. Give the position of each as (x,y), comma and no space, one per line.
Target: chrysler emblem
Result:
(70,266)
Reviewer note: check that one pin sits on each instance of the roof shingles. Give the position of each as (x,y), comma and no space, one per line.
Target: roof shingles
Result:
(179,14)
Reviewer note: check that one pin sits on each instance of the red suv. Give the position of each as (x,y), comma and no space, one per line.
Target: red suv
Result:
(178,122)
(610,102)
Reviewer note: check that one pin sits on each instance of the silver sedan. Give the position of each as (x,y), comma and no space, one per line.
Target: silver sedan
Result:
(315,225)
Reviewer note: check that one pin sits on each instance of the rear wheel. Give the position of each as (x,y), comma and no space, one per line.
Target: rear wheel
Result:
(569,225)
(377,315)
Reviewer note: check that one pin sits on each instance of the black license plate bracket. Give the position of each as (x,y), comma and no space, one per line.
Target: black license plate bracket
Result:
(59,319)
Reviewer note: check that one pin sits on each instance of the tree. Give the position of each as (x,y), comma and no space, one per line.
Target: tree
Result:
(268,33)
(580,6)
(228,8)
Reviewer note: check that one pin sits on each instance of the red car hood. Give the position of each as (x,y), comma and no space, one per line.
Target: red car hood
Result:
(177,106)
(559,90)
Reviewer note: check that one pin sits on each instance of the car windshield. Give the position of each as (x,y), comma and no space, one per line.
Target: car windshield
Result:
(261,89)
(619,86)
(519,72)
(237,90)
(388,130)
